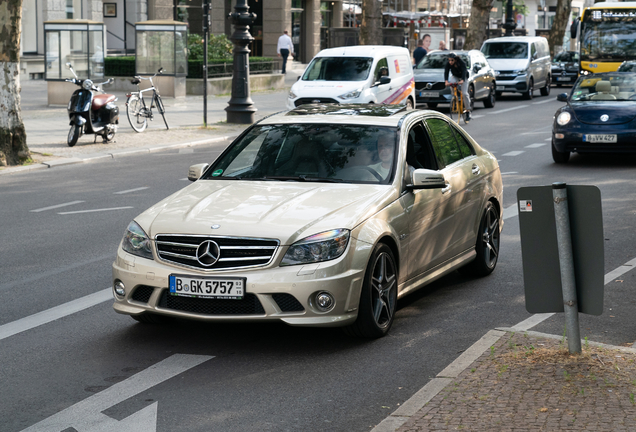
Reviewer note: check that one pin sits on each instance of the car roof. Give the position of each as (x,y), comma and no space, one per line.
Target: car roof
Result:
(353,114)
(362,51)
(515,39)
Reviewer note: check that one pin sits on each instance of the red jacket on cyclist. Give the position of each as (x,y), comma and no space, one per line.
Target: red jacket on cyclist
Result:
(455,71)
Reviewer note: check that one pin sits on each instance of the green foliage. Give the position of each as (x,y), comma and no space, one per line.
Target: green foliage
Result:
(119,66)
(219,47)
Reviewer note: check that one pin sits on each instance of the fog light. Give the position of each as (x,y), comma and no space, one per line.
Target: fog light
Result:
(559,136)
(324,301)
(119,289)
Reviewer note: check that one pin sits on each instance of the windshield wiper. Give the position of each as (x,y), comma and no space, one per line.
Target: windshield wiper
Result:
(304,178)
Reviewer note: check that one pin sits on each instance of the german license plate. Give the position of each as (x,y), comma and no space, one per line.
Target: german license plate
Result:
(429,94)
(207,287)
(501,88)
(599,138)
(564,78)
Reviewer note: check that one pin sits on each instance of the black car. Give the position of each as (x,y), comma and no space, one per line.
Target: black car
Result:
(565,68)
(600,116)
(627,66)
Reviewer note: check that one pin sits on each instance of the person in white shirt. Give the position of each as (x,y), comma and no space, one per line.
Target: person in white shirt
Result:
(285,48)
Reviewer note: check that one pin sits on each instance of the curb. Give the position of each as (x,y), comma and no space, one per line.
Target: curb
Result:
(112,155)
(416,402)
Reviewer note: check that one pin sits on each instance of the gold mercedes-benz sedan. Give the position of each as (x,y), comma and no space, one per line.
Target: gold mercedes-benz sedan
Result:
(320,216)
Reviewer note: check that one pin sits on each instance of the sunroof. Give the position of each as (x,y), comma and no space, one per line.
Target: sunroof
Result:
(347,109)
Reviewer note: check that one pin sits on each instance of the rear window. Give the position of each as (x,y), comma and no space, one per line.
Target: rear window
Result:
(338,69)
(505,50)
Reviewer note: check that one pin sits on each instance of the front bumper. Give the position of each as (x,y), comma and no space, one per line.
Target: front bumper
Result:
(574,141)
(272,293)
(516,85)
(564,77)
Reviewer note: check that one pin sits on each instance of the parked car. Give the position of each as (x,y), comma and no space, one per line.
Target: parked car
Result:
(431,89)
(321,216)
(521,64)
(565,68)
(356,74)
(627,66)
(600,116)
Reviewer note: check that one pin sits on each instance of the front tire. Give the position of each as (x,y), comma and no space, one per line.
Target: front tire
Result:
(487,246)
(409,104)
(378,298)
(136,118)
(471,97)
(489,102)
(559,157)
(73,135)
(530,92)
(545,91)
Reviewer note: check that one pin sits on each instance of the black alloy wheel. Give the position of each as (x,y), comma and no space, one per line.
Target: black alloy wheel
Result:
(378,298)
(545,91)
(487,246)
(529,94)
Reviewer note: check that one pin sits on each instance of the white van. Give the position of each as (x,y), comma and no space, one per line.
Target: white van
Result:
(521,64)
(357,74)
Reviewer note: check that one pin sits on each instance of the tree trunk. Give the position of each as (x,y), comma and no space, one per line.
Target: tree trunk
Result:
(561,18)
(371,27)
(477,31)
(13,147)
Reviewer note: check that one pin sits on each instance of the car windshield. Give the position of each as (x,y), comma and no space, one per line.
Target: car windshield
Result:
(438,61)
(566,57)
(310,153)
(627,67)
(505,50)
(338,69)
(613,87)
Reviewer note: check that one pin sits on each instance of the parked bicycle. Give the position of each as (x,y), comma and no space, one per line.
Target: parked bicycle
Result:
(457,104)
(136,108)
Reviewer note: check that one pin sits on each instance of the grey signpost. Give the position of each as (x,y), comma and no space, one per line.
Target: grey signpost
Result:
(562,249)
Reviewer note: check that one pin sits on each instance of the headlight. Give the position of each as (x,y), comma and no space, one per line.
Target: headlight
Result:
(520,72)
(351,95)
(320,247)
(564,118)
(292,95)
(136,241)
(497,72)
(87,84)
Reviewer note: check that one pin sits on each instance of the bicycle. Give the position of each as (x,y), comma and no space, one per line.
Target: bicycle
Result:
(137,110)
(457,104)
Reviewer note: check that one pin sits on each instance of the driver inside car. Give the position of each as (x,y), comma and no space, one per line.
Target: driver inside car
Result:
(386,148)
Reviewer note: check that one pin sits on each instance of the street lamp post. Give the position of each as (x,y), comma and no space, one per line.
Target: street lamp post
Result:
(240,108)
(510,23)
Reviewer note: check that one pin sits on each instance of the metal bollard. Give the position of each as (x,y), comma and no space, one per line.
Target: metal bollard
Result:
(566,260)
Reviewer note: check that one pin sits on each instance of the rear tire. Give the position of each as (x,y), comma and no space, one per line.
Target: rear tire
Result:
(471,101)
(136,118)
(73,135)
(559,157)
(378,298)
(545,91)
(487,246)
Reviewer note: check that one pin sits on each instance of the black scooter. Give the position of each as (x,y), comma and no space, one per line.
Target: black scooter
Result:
(90,112)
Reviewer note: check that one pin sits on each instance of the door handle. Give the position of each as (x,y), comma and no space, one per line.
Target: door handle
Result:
(446,189)
(476,169)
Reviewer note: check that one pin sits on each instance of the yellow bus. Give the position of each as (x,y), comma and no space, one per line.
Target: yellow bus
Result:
(607,36)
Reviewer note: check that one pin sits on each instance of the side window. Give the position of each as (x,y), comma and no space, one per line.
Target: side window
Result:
(419,153)
(381,69)
(444,143)
(464,145)
(533,51)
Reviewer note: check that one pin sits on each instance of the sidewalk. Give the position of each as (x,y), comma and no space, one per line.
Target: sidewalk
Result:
(47,127)
(526,382)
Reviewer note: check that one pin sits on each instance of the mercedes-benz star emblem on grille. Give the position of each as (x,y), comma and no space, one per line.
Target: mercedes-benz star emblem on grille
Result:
(429,86)
(208,253)
(315,101)
(604,117)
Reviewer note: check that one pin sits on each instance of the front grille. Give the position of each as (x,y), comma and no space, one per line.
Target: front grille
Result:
(287,303)
(234,252)
(506,78)
(142,293)
(303,101)
(434,85)
(249,305)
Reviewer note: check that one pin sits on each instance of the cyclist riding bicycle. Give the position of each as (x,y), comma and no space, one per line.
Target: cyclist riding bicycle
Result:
(458,74)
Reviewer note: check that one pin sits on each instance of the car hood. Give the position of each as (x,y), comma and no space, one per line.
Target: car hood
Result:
(566,66)
(590,112)
(429,75)
(508,64)
(287,211)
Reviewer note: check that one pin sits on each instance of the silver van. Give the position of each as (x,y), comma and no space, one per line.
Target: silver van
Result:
(521,64)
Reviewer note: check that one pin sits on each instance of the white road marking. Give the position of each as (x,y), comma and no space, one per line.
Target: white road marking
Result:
(509,109)
(513,153)
(548,139)
(476,116)
(87,414)
(537,145)
(511,211)
(131,190)
(534,133)
(56,206)
(45,317)
(543,101)
(95,210)
(509,172)
(184,179)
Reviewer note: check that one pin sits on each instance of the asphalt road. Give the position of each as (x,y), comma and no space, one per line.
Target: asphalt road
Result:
(60,231)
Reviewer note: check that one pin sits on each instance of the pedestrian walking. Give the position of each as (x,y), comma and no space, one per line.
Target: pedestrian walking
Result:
(285,48)
(419,52)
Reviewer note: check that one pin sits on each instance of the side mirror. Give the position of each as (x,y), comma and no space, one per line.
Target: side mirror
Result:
(297,79)
(427,179)
(476,68)
(68,65)
(563,97)
(111,80)
(385,80)
(196,171)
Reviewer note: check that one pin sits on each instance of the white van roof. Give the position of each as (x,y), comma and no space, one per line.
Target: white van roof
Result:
(363,51)
(516,39)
